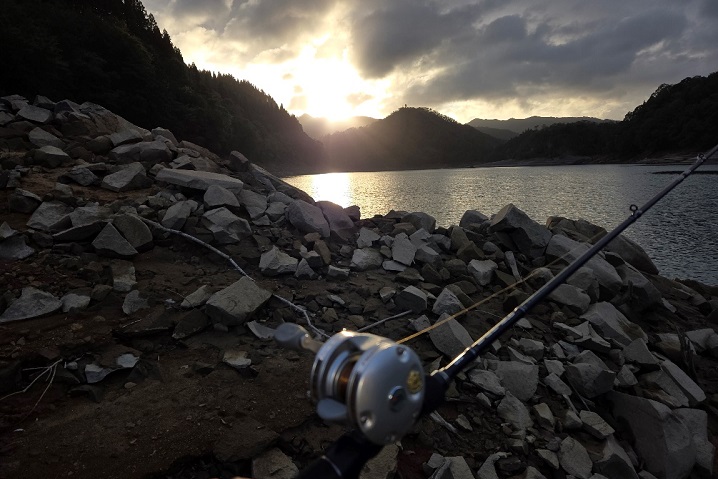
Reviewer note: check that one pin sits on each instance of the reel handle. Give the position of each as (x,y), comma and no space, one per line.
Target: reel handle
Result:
(293,336)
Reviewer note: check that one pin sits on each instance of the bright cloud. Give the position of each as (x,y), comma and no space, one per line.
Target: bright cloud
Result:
(466,59)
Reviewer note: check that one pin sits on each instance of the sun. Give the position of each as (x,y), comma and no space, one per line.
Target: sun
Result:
(327,84)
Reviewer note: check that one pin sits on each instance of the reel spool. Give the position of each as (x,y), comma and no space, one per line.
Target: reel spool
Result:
(367,381)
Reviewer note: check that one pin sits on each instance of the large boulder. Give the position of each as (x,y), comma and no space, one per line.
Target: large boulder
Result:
(661,438)
(307,218)
(567,250)
(199,180)
(530,237)
(341,226)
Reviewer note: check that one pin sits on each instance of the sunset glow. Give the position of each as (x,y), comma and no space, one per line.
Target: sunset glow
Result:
(465,59)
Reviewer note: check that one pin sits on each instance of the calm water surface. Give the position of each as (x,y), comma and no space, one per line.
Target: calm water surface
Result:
(680,233)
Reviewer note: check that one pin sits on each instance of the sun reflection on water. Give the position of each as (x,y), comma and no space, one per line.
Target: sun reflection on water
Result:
(334,187)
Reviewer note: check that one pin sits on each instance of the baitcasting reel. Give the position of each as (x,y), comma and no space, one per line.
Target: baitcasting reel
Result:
(364,380)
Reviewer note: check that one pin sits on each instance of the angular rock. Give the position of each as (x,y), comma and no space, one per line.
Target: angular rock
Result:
(235,304)
(447,302)
(637,352)
(341,225)
(661,438)
(32,303)
(614,462)
(134,302)
(568,250)
(35,114)
(364,259)
(612,324)
(572,297)
(696,421)
(307,218)
(557,385)
(411,298)
(403,250)
(275,262)
(530,237)
(197,298)
(336,273)
(692,391)
(199,180)
(513,411)
(81,175)
(72,302)
(644,295)
(111,243)
(50,216)
(23,201)
(217,196)
(123,276)
(191,323)
(51,156)
(521,379)
(487,381)
(450,337)
(15,248)
(420,220)
(482,271)
(574,458)
(595,425)
(590,380)
(472,217)
(177,214)
(254,203)
(222,222)
(135,231)
(39,138)
(632,253)
(132,177)
(544,416)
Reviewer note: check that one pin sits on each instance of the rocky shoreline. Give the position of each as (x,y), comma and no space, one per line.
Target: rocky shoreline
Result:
(142,278)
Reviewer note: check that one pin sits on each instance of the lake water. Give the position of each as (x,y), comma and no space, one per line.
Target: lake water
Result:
(680,233)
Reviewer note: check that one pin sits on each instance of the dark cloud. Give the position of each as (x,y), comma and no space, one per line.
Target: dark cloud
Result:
(273,23)
(506,57)
(401,31)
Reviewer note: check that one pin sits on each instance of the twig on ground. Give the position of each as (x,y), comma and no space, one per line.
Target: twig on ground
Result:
(47,369)
(49,383)
(237,267)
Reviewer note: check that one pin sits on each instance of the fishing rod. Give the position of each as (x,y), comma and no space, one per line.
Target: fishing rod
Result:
(378,387)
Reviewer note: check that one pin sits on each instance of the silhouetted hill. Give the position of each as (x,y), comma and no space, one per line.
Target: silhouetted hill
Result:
(675,119)
(317,127)
(409,138)
(113,53)
(519,125)
(498,133)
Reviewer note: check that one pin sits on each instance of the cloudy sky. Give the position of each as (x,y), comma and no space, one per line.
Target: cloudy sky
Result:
(465,58)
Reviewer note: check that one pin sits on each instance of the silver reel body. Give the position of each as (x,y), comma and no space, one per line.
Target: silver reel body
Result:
(370,382)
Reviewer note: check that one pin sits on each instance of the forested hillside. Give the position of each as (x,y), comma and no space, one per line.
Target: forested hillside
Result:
(409,138)
(112,52)
(676,118)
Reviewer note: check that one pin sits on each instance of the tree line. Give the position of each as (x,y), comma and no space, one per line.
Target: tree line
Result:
(112,52)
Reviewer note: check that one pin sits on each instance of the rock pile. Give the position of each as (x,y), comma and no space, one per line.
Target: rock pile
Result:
(603,380)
